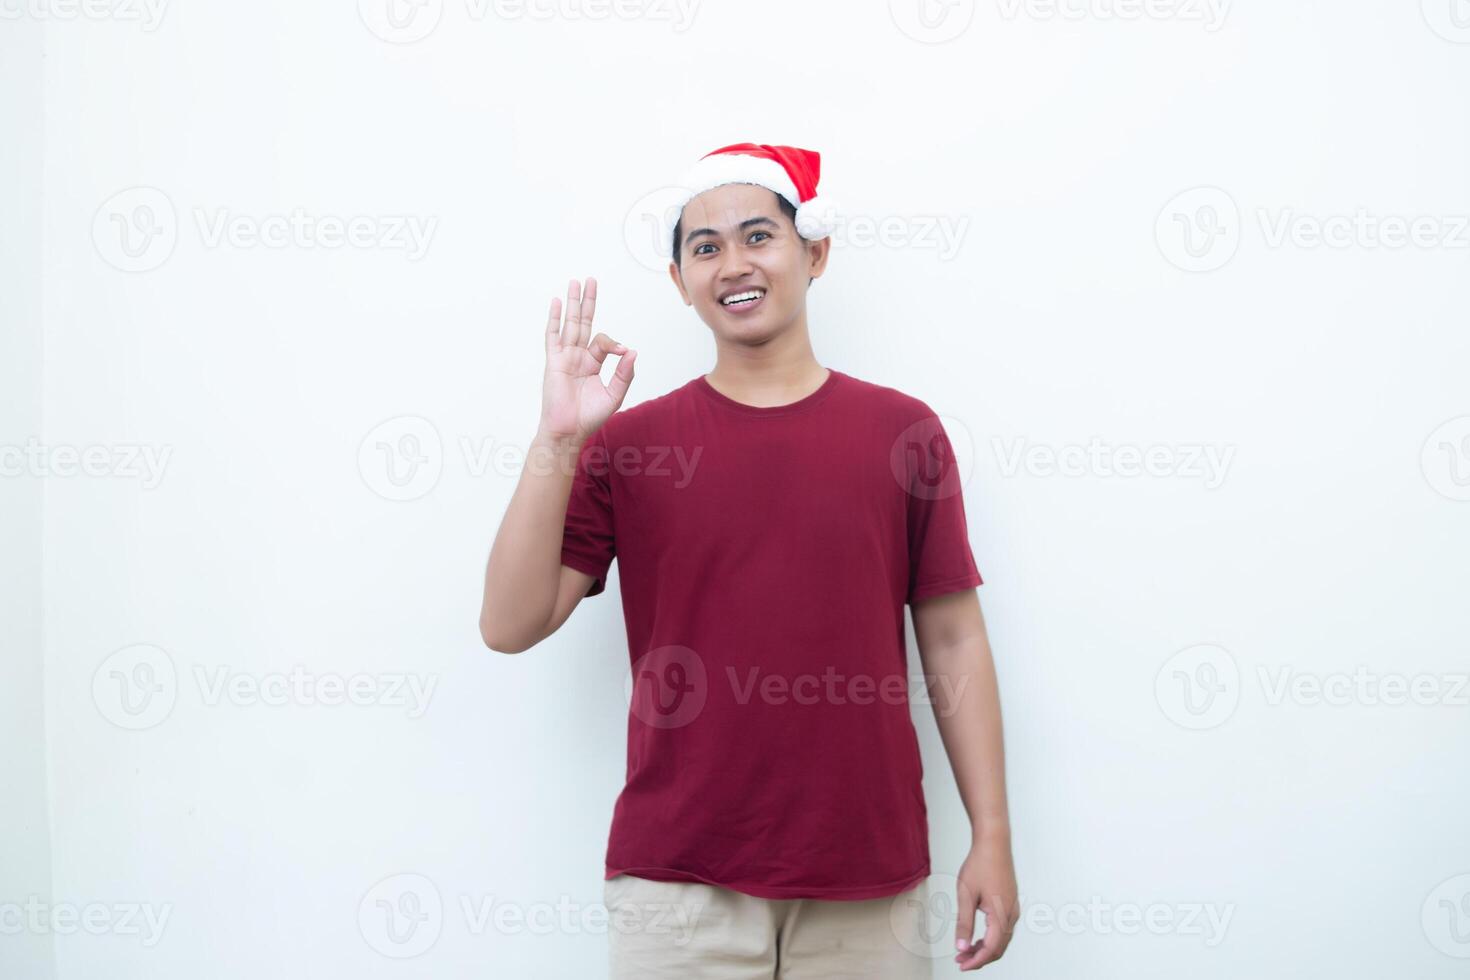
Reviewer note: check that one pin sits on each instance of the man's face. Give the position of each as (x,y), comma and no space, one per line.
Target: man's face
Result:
(736,239)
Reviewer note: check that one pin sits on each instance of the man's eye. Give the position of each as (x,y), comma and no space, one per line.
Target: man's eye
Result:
(699,249)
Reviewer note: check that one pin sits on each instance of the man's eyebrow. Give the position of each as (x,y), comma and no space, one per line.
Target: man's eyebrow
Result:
(747,223)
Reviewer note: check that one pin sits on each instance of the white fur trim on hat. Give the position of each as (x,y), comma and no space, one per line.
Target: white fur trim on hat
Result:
(815,219)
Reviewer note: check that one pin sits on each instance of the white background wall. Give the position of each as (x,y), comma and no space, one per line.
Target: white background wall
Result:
(1080,215)
(25,856)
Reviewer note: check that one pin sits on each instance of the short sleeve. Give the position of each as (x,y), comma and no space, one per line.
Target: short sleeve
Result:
(940,559)
(587,543)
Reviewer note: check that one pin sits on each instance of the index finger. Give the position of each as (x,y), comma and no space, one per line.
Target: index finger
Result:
(553,325)
(991,945)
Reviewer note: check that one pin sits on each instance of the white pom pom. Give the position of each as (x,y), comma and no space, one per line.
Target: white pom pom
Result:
(817,218)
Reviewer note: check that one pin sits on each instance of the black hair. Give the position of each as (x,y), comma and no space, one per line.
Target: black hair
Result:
(786,209)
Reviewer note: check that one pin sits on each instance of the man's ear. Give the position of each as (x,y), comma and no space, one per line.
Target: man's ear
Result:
(817,254)
(678,278)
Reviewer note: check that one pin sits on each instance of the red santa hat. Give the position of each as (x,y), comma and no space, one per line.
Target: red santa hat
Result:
(790,171)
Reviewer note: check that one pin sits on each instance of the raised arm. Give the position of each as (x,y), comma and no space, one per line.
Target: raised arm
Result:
(528,592)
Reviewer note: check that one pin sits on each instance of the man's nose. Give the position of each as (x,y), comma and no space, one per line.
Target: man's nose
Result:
(734,264)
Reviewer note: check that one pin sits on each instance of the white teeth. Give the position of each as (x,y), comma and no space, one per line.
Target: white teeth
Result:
(738,297)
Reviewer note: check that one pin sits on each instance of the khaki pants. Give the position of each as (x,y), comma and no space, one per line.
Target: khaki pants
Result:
(695,931)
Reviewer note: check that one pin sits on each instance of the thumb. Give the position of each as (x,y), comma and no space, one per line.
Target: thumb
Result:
(622,377)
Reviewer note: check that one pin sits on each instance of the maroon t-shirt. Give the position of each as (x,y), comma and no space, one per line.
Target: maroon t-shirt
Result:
(765,555)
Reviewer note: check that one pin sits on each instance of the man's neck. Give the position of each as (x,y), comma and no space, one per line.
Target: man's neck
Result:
(760,380)
(777,372)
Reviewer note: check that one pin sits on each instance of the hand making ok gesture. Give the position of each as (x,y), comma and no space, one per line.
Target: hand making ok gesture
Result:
(574,401)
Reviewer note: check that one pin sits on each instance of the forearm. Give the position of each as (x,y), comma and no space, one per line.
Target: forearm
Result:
(524,569)
(965,695)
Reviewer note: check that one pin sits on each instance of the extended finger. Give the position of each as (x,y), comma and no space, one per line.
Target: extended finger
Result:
(570,328)
(553,325)
(589,306)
